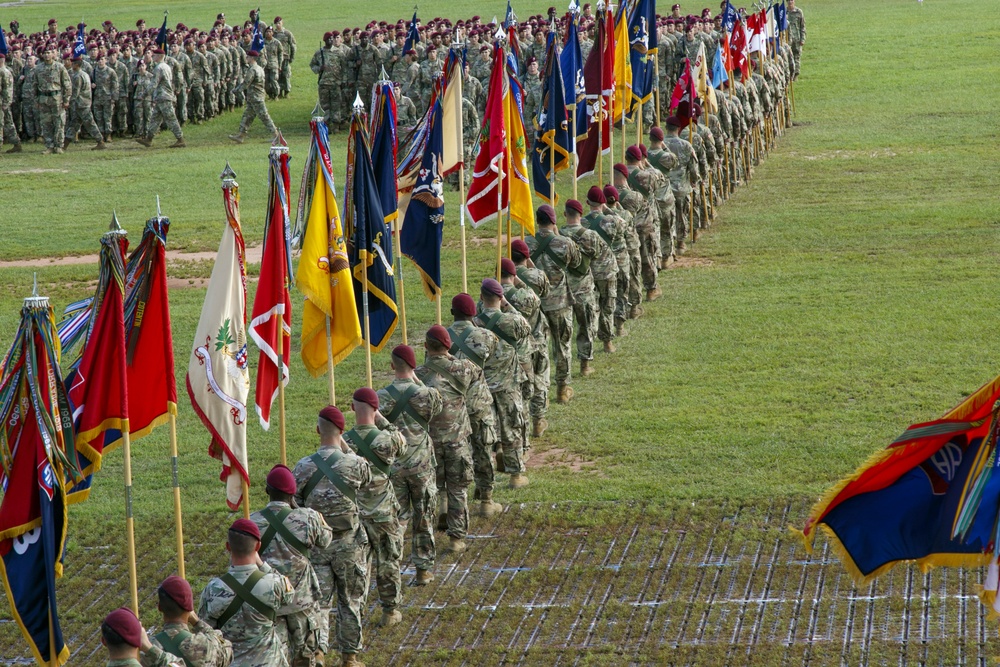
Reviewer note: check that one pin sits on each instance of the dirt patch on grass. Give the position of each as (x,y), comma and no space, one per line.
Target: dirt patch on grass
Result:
(253,257)
(690,263)
(21,172)
(557,457)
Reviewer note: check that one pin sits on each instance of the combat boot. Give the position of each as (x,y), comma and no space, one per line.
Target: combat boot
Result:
(620,331)
(653,294)
(180,143)
(390,618)
(564,393)
(518,481)
(351,660)
(539,427)
(16,148)
(442,523)
(424,577)
(48,151)
(238,138)
(99,146)
(635,312)
(609,347)
(681,247)
(487,507)
(586,369)
(59,151)
(457,546)
(144,141)
(498,461)
(107,138)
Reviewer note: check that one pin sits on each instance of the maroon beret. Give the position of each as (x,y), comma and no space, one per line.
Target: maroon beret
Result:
(595,195)
(246,527)
(252,54)
(366,395)
(674,121)
(519,247)
(52,21)
(440,334)
(158,51)
(491,286)
(463,305)
(327,35)
(574,205)
(656,134)
(643,150)
(405,352)
(277,19)
(179,590)
(545,215)
(633,152)
(281,479)
(507,265)
(124,622)
(621,169)
(332,414)
(610,193)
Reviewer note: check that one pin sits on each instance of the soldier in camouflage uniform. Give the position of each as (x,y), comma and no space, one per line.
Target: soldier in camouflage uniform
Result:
(682,177)
(163,104)
(412,406)
(105,84)
(212,80)
(482,67)
(185,635)
(465,401)
(289,47)
(430,69)
(182,82)
(143,99)
(288,535)
(532,91)
(80,115)
(125,639)
(505,375)
(253,88)
(581,283)
(604,267)
(328,64)
(378,441)
(796,35)
(273,54)
(29,109)
(7,130)
(553,255)
(369,66)
(244,602)
(537,394)
(406,111)
(120,122)
(342,567)
(663,161)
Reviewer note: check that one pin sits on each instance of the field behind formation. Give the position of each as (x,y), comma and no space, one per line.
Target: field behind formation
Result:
(845,293)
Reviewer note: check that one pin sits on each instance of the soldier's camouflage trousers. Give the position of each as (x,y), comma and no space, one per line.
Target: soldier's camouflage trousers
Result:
(623,284)
(285,77)
(607,300)
(331,101)
(80,117)
(668,232)
(51,120)
(196,102)
(539,397)
(454,475)
(104,112)
(300,632)
(8,133)
(416,493)
(343,580)
(141,117)
(180,106)
(271,82)
(254,109)
(163,112)
(386,539)
(585,314)
(511,426)
(635,276)
(796,55)
(120,124)
(682,207)
(561,332)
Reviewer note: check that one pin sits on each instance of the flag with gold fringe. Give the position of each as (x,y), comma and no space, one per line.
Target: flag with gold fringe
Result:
(420,238)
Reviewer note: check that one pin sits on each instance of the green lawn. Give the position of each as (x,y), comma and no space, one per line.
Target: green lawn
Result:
(844,294)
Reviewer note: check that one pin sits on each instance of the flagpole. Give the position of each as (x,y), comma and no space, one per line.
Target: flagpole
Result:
(656,73)
(129,525)
(576,157)
(53,656)
(246,500)
(611,136)
(178,520)
(279,148)
(329,363)
(437,302)
(552,175)
(399,269)
(694,227)
(499,217)
(461,224)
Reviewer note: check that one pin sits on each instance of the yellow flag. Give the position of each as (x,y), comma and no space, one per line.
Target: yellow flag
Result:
(324,276)
(517,168)
(623,68)
(702,77)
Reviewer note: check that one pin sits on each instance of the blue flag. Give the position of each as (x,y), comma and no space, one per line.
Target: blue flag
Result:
(552,126)
(371,242)
(642,52)
(420,238)
(3,43)
(257,44)
(161,37)
(781,17)
(719,75)
(383,134)
(412,35)
(729,17)
(574,90)
(509,20)
(80,45)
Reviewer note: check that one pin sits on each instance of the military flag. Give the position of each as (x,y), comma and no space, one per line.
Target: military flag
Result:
(719,75)
(371,242)
(598,76)
(324,273)
(452,129)
(703,84)
(271,319)
(36,459)
(257,43)
(908,503)
(729,17)
(80,45)
(644,46)
(4,49)
(553,143)
(738,51)
(420,237)
(757,25)
(412,34)
(685,95)
(217,379)
(382,130)
(623,65)
(488,191)
(574,87)
(161,36)
(518,185)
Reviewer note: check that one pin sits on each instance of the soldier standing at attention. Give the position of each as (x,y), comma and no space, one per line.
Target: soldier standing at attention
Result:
(288,534)
(328,481)
(328,64)
(623,255)
(105,84)
(80,115)
(554,254)
(253,87)
(663,161)
(376,440)
(527,303)
(124,637)
(604,268)
(289,47)
(682,177)
(538,282)
(633,204)
(244,602)
(143,98)
(184,634)
(581,283)
(274,53)
(796,34)
(53,89)
(7,130)
(163,104)
(412,406)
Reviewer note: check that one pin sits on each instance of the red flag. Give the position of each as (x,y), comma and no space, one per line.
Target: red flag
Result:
(599,82)
(727,55)
(98,388)
(738,50)
(482,202)
(272,304)
(684,96)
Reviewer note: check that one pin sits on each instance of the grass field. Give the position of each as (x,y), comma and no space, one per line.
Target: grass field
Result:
(842,295)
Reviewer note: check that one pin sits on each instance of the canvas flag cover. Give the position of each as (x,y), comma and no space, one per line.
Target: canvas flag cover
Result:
(217,379)
(420,237)
(552,132)
(324,271)
(382,130)
(36,448)
(451,111)
(272,305)
(483,202)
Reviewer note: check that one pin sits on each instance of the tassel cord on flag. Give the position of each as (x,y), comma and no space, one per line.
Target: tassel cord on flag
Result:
(461,225)
(611,138)
(399,269)
(178,520)
(129,523)
(329,363)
